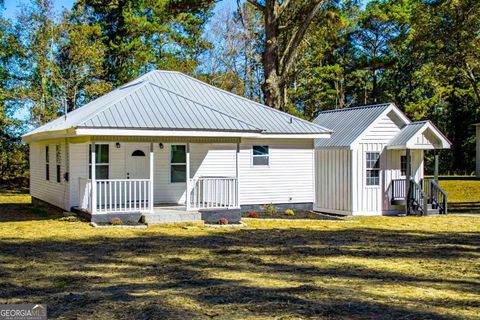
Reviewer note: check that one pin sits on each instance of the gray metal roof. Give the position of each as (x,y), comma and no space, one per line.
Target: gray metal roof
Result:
(347,124)
(407,133)
(163,100)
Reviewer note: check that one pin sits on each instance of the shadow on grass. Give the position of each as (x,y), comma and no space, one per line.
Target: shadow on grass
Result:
(164,276)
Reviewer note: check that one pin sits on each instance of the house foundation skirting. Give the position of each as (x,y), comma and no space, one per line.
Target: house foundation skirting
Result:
(301,206)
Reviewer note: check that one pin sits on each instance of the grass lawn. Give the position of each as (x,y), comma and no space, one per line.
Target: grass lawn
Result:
(364,268)
(462,190)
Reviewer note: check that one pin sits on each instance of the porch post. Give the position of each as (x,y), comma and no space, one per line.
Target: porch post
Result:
(237,174)
(187,195)
(151,178)
(435,174)
(93,180)
(408,176)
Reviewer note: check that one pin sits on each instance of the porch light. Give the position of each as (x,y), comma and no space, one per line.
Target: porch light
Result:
(160,145)
(117,145)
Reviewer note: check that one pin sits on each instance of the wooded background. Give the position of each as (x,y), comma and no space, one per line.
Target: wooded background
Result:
(300,56)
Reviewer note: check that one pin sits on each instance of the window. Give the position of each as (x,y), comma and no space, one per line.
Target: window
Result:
(403,165)
(178,163)
(373,168)
(58,160)
(138,153)
(102,159)
(260,156)
(47,164)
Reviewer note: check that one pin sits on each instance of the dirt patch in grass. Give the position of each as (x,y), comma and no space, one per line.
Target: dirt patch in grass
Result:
(371,268)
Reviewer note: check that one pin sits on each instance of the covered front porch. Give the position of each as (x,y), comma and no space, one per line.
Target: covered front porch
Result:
(160,177)
(418,195)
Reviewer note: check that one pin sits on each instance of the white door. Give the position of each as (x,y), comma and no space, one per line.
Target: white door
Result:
(138,162)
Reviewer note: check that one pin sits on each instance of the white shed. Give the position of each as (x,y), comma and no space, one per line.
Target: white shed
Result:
(374,150)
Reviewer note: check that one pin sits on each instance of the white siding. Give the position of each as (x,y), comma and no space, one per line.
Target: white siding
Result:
(49,190)
(367,200)
(383,130)
(288,178)
(333,172)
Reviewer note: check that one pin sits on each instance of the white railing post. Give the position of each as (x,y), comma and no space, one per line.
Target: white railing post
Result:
(93,200)
(237,175)
(151,178)
(187,194)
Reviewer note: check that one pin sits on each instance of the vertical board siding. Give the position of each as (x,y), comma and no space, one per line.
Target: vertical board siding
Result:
(289,177)
(49,191)
(333,180)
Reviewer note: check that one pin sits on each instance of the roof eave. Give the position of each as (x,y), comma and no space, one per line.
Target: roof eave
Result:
(196,133)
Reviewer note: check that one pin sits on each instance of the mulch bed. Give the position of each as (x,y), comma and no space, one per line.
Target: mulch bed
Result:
(308,215)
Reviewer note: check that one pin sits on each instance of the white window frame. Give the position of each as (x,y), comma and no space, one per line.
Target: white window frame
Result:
(368,169)
(98,164)
(176,163)
(58,162)
(403,174)
(260,156)
(47,163)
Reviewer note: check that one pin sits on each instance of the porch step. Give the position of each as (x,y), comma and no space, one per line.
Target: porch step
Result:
(169,217)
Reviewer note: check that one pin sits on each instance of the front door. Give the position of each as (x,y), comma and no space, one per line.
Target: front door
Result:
(137,162)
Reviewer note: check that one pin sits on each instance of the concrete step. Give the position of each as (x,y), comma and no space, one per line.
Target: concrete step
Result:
(169,217)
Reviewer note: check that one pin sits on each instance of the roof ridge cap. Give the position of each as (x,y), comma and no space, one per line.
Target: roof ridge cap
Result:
(201,104)
(358,107)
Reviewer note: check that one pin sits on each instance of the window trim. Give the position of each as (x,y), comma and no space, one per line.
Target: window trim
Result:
(258,156)
(367,169)
(170,163)
(47,163)
(402,172)
(104,164)
(58,161)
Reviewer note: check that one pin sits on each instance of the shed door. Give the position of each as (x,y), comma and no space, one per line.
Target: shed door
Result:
(138,163)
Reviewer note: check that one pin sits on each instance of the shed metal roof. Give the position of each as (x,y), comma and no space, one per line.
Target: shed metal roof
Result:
(347,124)
(407,133)
(164,100)
(404,137)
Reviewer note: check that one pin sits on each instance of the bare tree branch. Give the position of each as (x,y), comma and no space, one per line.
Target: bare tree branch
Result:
(257,4)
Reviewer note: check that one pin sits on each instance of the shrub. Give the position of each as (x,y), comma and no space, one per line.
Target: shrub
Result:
(252,214)
(289,212)
(270,209)
(116,221)
(69,219)
(222,220)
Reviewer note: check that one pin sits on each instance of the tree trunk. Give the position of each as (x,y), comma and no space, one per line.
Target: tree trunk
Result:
(277,63)
(271,87)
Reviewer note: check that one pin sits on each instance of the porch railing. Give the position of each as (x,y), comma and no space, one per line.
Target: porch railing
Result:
(422,196)
(398,189)
(116,195)
(214,192)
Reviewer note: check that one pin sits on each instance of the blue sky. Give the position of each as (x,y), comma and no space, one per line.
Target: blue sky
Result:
(12,7)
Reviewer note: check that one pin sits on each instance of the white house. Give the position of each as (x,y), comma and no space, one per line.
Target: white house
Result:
(373,151)
(168,145)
